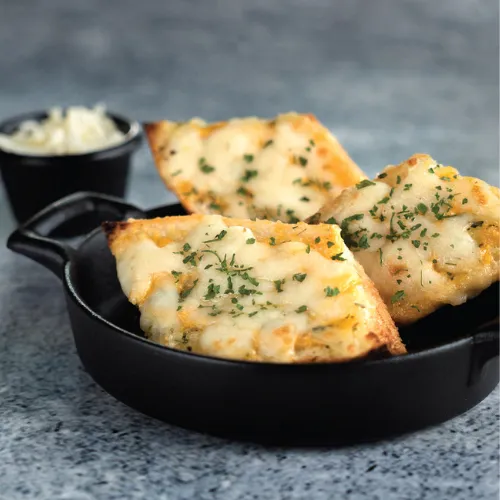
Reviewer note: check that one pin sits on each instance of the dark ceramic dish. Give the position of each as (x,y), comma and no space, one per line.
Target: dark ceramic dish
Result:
(32,182)
(451,366)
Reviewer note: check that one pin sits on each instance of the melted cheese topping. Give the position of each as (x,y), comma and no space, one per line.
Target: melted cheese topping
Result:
(223,289)
(284,169)
(424,234)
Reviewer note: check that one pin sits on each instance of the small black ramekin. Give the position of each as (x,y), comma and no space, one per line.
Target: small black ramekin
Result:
(34,181)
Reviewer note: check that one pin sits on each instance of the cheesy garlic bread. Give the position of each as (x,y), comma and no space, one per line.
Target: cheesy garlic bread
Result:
(424,234)
(250,290)
(281,169)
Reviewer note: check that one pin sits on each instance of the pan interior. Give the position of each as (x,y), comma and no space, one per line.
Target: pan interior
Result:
(94,279)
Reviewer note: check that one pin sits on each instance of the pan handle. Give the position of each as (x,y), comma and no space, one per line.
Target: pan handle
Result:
(486,344)
(31,239)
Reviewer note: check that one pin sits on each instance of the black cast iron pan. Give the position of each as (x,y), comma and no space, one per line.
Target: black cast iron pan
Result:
(451,366)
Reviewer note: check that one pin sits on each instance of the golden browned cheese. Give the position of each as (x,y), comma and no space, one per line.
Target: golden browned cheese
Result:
(250,290)
(281,169)
(424,234)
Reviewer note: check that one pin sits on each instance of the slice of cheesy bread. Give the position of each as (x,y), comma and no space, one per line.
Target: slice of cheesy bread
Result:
(251,290)
(424,234)
(282,169)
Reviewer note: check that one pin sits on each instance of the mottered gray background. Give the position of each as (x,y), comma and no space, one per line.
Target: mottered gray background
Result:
(388,77)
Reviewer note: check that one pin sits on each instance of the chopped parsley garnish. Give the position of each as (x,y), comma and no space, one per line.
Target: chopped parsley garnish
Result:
(243,290)
(301,309)
(230,288)
(383,200)
(364,183)
(415,243)
(278,284)
(268,143)
(251,280)
(176,173)
(305,198)
(352,217)
(190,259)
(464,201)
(383,175)
(292,219)
(331,292)
(380,255)
(431,170)
(300,277)
(407,187)
(249,174)
(397,296)
(363,242)
(319,328)
(250,241)
(244,192)
(331,220)
(185,293)
(346,234)
(338,256)
(330,244)
(215,206)
(248,158)
(308,249)
(176,275)
(186,247)
(212,291)
(317,240)
(272,241)
(302,161)
(206,169)
(218,237)
(422,208)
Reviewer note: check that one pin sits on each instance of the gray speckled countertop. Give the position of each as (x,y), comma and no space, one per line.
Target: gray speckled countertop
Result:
(389,77)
